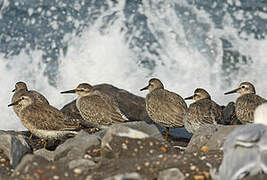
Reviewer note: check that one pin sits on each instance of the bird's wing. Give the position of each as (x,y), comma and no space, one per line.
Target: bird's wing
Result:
(45,117)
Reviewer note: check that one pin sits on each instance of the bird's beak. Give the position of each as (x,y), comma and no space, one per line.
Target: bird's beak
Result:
(69,91)
(233,91)
(188,98)
(145,88)
(13,90)
(14,103)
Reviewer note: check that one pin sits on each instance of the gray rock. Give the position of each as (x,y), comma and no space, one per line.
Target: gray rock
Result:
(211,136)
(48,155)
(127,176)
(131,105)
(14,147)
(244,153)
(171,174)
(75,148)
(26,163)
(135,130)
(78,163)
(149,129)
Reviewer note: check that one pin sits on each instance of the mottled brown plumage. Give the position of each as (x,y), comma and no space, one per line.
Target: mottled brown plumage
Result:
(21,89)
(202,112)
(164,107)
(43,120)
(247,102)
(97,109)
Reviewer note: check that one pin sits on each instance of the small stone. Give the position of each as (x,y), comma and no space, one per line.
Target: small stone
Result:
(187,174)
(205,149)
(141,147)
(206,174)
(2,160)
(195,154)
(124,146)
(138,168)
(147,164)
(171,174)
(77,171)
(203,158)
(87,156)
(151,143)
(192,167)
(199,177)
(135,150)
(40,171)
(151,151)
(126,141)
(163,149)
(56,177)
(53,167)
(157,163)
(161,156)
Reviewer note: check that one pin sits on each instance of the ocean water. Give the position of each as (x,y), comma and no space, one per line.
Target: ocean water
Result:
(54,45)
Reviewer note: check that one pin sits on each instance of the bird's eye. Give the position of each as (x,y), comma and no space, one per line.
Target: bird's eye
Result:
(22,98)
(243,87)
(81,90)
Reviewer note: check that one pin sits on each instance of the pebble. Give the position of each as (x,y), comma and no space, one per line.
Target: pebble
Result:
(53,167)
(205,149)
(87,156)
(56,177)
(163,149)
(199,177)
(124,146)
(202,157)
(2,160)
(147,164)
(151,143)
(138,168)
(192,167)
(77,171)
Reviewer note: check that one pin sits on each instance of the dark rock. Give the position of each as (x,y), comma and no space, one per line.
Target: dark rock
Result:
(211,136)
(127,176)
(229,117)
(171,174)
(14,147)
(131,105)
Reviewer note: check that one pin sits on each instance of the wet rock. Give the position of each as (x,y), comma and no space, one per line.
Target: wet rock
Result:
(131,105)
(130,176)
(78,163)
(14,147)
(75,148)
(171,174)
(135,130)
(150,130)
(229,117)
(211,136)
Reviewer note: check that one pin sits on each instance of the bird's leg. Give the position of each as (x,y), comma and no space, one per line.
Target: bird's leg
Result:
(30,136)
(45,144)
(167,133)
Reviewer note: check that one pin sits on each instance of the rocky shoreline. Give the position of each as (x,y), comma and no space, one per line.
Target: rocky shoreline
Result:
(132,150)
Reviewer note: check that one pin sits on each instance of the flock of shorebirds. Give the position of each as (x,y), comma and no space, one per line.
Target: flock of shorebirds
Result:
(97,109)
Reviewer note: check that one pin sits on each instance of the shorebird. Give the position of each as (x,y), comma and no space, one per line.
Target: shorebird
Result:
(202,112)
(20,89)
(96,108)
(164,107)
(43,120)
(247,102)
(244,150)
